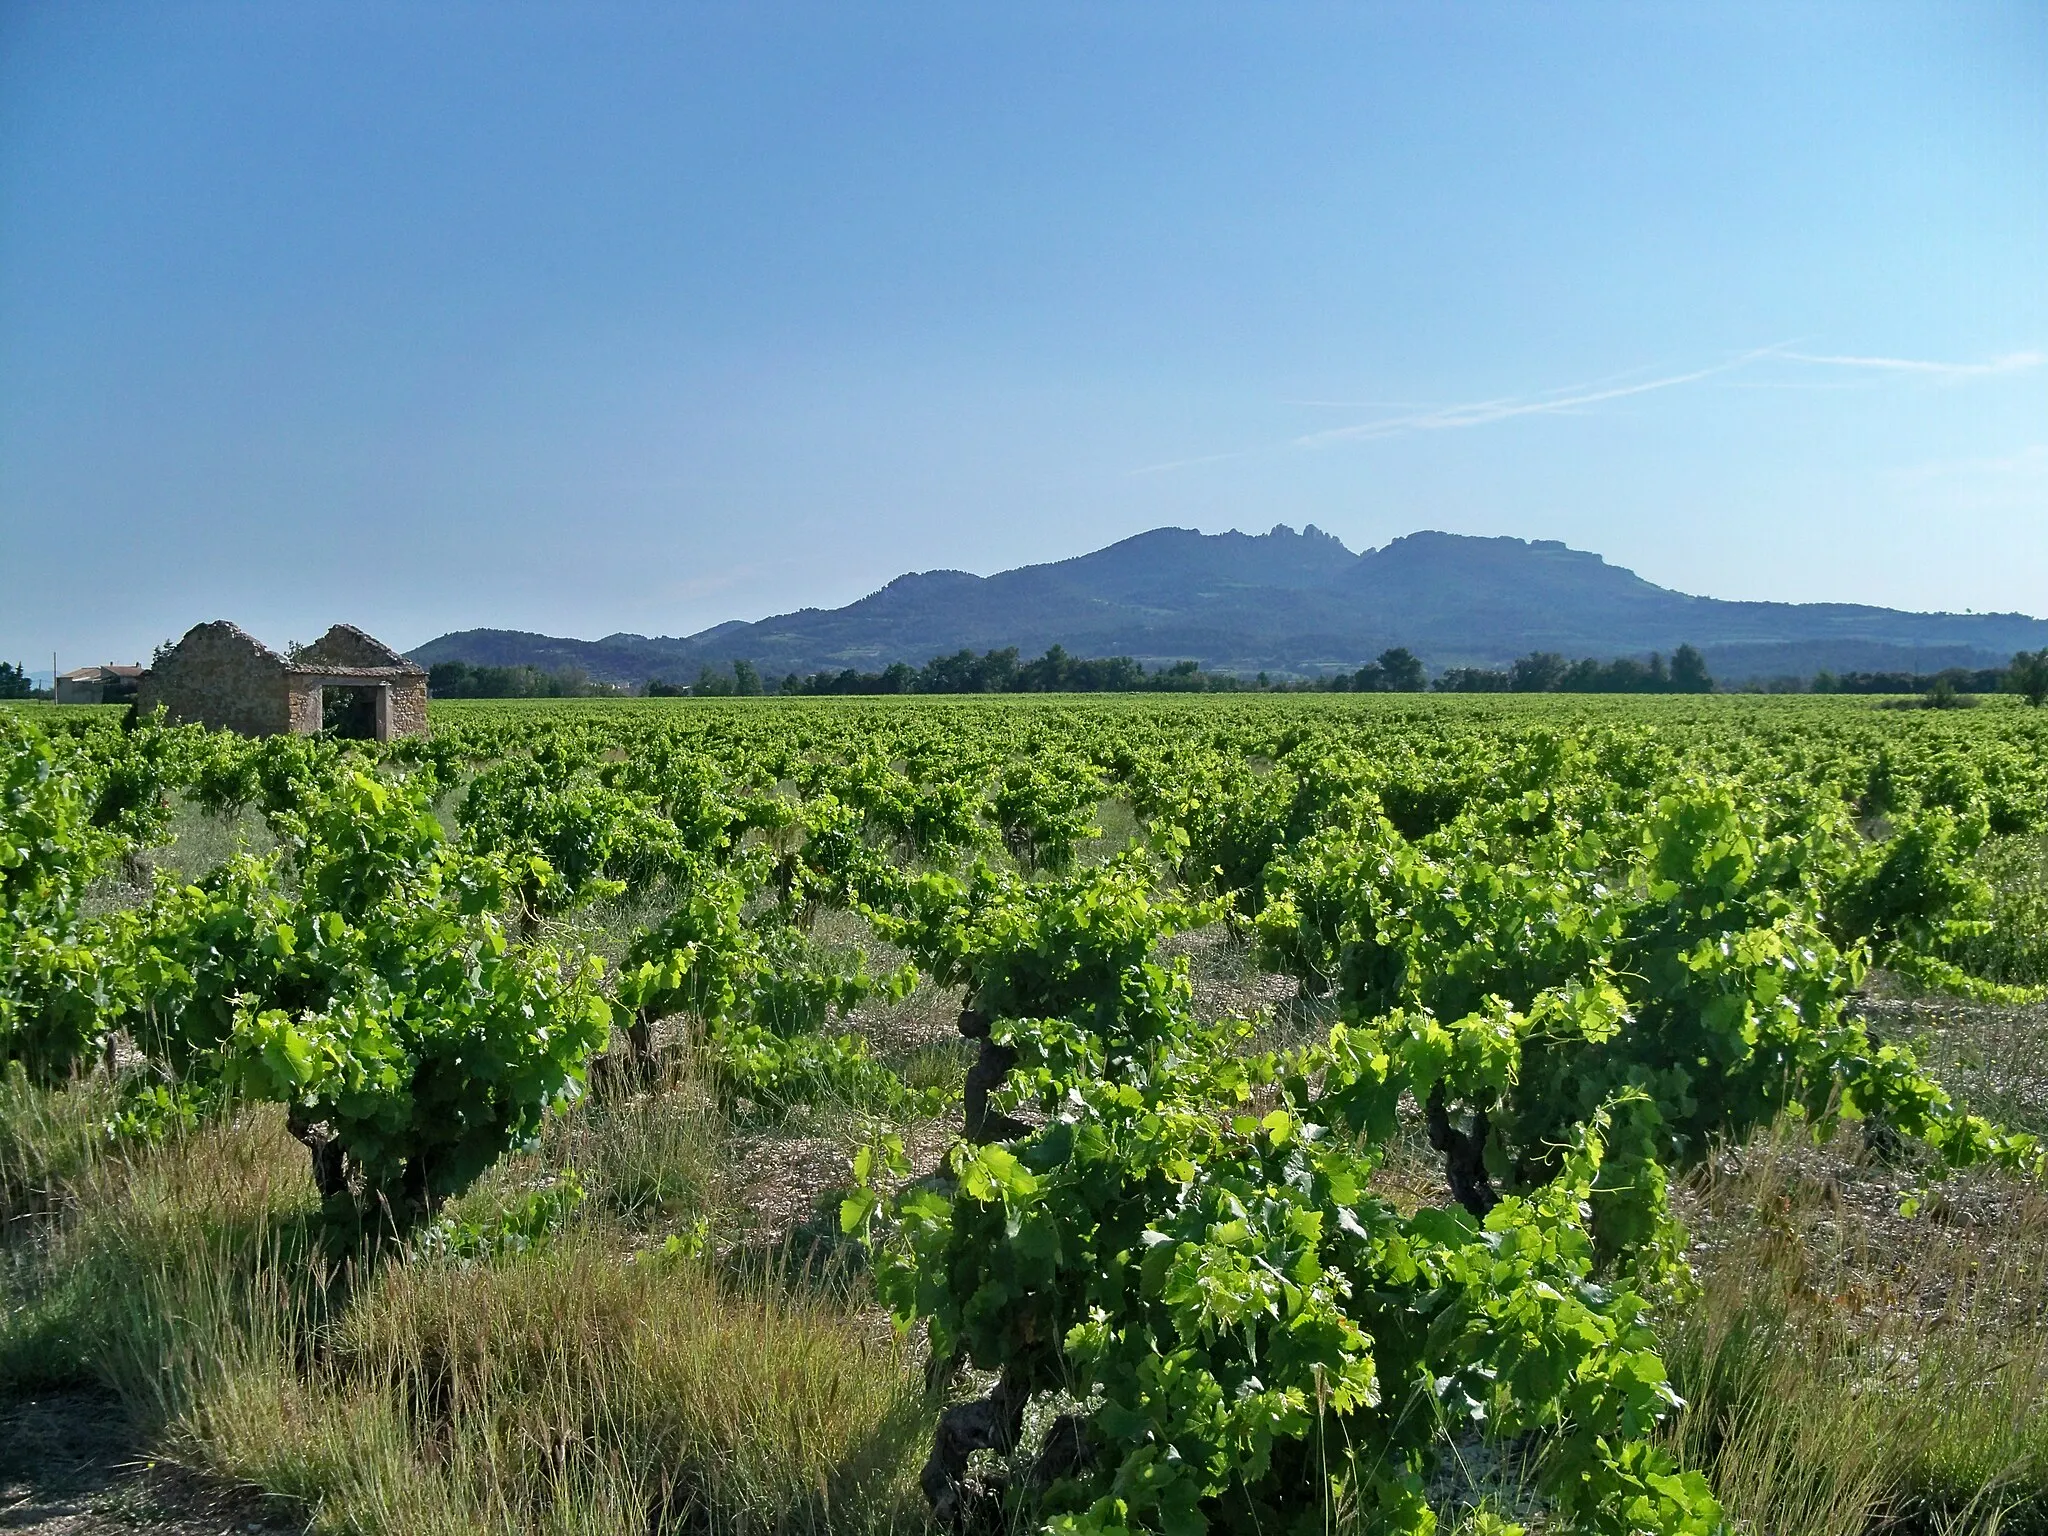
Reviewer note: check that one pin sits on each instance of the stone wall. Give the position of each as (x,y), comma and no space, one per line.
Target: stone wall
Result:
(220,676)
(409,706)
(403,712)
(306,700)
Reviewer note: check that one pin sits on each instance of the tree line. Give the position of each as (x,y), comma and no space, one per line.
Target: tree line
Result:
(2026,675)
(15,683)
(1003,671)
(1961,679)
(1548,672)
(1396,670)
(461,680)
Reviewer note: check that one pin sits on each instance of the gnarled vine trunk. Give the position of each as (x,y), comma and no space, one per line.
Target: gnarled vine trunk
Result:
(959,1501)
(1464,1155)
(330,1168)
(991,1068)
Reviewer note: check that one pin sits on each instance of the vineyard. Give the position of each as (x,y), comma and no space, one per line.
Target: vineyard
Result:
(1245,1114)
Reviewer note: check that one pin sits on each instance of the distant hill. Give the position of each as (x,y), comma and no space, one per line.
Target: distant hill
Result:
(1290,603)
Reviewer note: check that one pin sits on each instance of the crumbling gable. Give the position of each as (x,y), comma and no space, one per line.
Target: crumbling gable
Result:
(346,646)
(221,676)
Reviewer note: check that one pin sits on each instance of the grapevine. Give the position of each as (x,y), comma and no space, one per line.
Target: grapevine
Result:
(1573,951)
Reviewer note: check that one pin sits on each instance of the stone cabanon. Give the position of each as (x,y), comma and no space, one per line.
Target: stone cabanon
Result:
(221,676)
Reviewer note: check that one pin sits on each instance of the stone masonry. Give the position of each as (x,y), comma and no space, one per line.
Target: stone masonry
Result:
(221,676)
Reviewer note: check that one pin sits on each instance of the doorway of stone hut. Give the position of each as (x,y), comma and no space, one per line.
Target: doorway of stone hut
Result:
(352,713)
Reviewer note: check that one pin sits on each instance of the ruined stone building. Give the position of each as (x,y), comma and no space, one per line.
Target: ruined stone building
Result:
(219,675)
(111,684)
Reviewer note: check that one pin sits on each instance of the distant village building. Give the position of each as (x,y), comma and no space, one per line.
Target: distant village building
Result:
(221,676)
(98,685)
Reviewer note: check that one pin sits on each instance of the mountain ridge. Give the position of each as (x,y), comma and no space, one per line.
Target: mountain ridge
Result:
(1287,602)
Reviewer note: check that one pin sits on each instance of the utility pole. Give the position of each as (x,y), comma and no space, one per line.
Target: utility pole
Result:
(53,677)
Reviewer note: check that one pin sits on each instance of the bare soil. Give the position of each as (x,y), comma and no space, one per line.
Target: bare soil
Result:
(73,1462)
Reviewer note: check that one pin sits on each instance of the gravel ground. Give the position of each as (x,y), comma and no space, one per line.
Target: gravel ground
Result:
(72,1462)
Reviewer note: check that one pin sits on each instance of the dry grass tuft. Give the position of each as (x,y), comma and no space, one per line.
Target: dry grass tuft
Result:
(599,1382)
(1849,1370)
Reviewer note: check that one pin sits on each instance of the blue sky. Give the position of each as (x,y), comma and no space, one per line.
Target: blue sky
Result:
(611,317)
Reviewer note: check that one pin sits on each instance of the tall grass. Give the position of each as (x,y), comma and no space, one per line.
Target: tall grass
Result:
(651,1160)
(597,1383)
(48,1141)
(1848,1374)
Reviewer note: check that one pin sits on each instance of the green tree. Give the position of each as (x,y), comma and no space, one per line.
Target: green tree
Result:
(2028,676)
(1401,670)
(1689,671)
(1051,673)
(746,682)
(14,683)
(1538,672)
(1472,680)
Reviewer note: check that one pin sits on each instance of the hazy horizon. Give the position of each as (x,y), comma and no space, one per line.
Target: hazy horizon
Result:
(637,319)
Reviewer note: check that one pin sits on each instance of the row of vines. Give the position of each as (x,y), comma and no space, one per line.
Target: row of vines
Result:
(1583,947)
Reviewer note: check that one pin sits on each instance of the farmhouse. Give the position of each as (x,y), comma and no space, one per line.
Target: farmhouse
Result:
(98,685)
(219,675)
